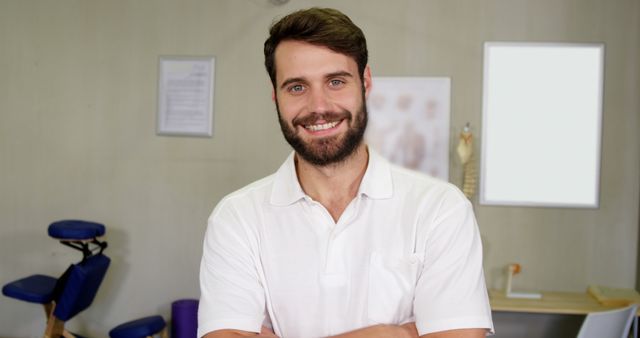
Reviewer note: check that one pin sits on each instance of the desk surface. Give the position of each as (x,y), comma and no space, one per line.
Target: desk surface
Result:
(578,303)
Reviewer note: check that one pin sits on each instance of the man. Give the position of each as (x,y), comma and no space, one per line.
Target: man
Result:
(338,242)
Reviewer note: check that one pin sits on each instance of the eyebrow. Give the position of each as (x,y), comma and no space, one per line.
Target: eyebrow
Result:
(289,81)
(292,80)
(340,73)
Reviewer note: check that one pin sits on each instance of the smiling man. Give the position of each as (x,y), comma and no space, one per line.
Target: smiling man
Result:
(338,242)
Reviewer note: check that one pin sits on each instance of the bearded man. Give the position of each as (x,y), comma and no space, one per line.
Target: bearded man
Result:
(338,242)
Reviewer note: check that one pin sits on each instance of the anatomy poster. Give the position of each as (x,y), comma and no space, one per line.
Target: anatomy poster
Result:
(409,122)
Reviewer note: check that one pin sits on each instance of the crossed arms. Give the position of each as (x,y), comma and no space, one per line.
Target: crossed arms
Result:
(378,331)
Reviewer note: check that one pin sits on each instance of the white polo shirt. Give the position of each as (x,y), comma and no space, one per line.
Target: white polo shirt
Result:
(407,248)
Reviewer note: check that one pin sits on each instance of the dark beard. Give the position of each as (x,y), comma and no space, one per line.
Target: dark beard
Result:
(328,150)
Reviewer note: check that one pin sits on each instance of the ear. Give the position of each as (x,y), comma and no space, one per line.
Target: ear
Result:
(366,78)
(273,95)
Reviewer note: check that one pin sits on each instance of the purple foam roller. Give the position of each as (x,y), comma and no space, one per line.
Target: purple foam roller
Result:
(184,318)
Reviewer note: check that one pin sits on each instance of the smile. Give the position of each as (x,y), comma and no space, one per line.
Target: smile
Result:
(319,127)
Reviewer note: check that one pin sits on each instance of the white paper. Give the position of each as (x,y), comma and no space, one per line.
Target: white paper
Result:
(185,100)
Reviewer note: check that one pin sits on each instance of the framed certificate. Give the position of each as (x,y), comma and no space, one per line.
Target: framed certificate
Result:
(185,96)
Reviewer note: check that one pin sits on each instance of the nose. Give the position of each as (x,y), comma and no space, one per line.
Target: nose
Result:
(318,101)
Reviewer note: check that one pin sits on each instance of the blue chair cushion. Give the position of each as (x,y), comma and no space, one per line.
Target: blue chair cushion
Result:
(138,328)
(79,285)
(75,229)
(33,289)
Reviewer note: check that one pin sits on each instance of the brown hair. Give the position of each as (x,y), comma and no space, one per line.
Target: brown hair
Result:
(318,26)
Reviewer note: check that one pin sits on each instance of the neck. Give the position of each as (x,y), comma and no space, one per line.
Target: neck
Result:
(335,185)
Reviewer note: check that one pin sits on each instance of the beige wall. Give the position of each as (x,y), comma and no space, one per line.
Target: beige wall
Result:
(77,135)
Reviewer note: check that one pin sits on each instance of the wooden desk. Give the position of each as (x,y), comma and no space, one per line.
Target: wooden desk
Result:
(573,303)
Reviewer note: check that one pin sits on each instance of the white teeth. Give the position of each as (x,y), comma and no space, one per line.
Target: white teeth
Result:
(324,126)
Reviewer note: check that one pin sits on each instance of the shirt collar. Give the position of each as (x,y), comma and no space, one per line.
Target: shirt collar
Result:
(376,183)
(286,188)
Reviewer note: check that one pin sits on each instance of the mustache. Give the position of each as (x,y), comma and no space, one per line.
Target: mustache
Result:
(327,117)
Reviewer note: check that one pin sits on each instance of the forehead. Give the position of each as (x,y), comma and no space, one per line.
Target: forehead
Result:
(298,59)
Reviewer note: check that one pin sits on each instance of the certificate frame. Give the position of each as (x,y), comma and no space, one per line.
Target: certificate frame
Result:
(542,124)
(185,95)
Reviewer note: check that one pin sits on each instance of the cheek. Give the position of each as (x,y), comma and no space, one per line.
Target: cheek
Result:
(350,100)
(290,107)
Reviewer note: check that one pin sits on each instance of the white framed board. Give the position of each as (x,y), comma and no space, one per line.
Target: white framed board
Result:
(542,116)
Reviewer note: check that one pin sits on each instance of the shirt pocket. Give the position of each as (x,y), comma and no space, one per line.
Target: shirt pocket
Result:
(392,282)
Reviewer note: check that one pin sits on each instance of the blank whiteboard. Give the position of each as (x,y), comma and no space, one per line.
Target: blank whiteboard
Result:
(542,114)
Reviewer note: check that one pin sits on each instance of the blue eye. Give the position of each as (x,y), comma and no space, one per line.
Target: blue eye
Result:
(296,88)
(336,82)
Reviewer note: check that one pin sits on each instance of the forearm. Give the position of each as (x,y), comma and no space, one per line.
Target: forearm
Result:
(227,334)
(409,331)
(383,331)
(460,333)
(265,332)
(377,331)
